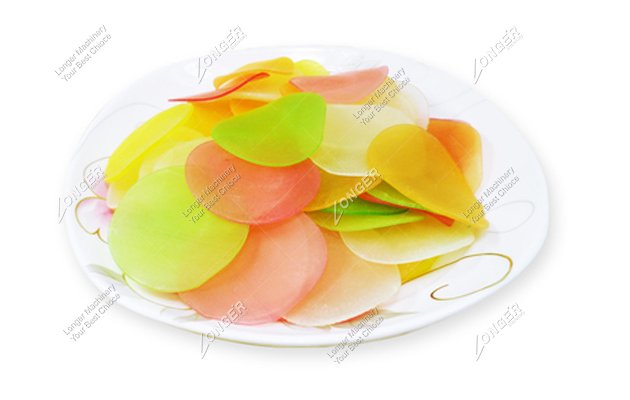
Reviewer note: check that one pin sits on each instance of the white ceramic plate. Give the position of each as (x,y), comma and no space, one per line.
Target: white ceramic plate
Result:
(518,221)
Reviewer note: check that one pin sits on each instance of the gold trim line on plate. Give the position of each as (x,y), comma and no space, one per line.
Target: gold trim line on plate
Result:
(510,265)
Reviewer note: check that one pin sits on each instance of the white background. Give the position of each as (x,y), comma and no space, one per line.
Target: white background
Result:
(565,84)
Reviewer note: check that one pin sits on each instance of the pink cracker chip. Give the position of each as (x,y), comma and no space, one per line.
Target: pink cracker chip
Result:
(243,192)
(278,265)
(344,88)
